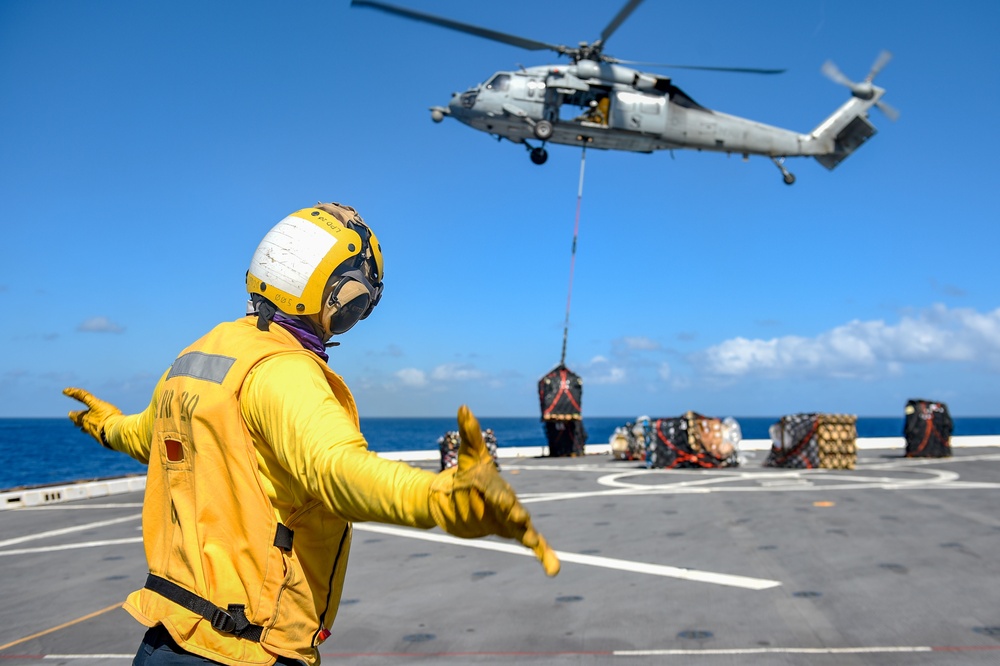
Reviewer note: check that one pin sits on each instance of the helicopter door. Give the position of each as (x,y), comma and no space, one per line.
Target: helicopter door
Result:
(529,94)
(639,113)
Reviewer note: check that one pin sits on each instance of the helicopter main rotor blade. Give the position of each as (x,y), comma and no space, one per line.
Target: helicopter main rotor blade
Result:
(513,40)
(619,18)
(739,70)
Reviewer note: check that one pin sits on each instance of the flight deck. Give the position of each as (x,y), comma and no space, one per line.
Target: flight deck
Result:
(894,562)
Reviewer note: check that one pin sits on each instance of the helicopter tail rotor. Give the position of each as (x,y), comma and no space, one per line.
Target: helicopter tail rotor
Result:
(891,112)
(864,89)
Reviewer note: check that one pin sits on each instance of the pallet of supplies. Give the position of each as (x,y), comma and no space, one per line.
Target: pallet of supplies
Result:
(450,441)
(837,437)
(693,441)
(810,441)
(793,442)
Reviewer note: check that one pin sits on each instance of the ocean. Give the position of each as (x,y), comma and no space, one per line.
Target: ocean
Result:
(46,451)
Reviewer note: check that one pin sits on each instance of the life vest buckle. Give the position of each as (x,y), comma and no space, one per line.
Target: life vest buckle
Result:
(223,621)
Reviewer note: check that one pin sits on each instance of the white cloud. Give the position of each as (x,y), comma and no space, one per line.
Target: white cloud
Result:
(456,372)
(412,377)
(601,371)
(611,375)
(440,377)
(100,325)
(664,371)
(860,348)
(640,343)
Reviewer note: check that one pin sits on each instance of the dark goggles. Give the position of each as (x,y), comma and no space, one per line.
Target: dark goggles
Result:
(355,298)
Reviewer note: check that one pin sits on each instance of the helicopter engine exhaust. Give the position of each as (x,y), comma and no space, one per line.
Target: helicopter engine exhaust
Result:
(609,73)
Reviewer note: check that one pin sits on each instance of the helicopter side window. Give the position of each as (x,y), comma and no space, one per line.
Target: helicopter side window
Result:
(499,83)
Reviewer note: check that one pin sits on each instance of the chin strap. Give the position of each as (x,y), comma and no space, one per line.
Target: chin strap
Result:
(264,309)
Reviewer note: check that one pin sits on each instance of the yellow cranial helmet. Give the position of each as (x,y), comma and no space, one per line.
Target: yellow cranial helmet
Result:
(323,264)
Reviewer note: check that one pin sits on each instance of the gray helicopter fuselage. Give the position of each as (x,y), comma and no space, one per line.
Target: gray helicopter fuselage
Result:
(607,106)
(596,102)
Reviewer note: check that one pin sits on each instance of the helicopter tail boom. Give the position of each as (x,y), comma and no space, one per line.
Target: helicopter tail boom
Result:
(843,132)
(848,128)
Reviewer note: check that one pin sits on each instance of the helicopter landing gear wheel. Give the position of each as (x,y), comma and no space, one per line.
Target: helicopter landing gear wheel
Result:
(539,155)
(543,130)
(786,175)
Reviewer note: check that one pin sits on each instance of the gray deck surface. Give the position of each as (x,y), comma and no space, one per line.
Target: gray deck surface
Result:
(896,562)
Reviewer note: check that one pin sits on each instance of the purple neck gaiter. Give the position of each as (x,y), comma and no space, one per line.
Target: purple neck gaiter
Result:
(305,335)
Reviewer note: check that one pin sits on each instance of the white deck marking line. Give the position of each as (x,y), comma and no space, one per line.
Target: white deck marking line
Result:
(589,560)
(707,652)
(89,656)
(70,546)
(780,650)
(72,507)
(720,481)
(528,498)
(68,530)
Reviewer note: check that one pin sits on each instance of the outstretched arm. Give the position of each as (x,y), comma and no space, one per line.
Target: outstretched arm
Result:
(473,500)
(288,404)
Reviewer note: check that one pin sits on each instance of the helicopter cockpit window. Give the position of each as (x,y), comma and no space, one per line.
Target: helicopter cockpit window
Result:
(499,83)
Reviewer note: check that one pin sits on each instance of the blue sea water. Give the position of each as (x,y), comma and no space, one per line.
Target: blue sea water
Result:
(45,451)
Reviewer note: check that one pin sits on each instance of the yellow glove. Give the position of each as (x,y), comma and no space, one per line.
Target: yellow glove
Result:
(95,418)
(472,500)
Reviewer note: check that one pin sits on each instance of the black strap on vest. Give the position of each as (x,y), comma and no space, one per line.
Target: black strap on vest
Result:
(283,538)
(233,620)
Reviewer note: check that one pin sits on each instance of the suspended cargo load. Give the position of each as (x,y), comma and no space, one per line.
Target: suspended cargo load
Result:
(810,441)
(927,429)
(693,441)
(560,394)
(565,438)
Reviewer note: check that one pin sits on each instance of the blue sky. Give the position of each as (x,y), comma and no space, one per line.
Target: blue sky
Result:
(146,148)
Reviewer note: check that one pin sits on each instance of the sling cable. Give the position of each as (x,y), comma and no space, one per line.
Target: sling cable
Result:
(560,392)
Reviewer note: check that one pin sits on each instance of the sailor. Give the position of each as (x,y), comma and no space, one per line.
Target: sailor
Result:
(257,467)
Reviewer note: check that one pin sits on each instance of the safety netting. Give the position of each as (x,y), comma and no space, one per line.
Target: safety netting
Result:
(808,441)
(692,441)
(927,429)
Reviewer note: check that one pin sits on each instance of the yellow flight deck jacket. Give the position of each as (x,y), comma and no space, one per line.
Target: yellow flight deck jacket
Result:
(256,471)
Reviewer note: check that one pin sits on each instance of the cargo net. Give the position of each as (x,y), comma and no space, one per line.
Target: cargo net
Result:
(693,441)
(560,394)
(809,441)
(451,440)
(927,429)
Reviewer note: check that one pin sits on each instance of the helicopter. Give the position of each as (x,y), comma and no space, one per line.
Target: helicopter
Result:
(597,101)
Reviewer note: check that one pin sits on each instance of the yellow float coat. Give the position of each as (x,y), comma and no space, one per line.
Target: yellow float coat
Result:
(245,430)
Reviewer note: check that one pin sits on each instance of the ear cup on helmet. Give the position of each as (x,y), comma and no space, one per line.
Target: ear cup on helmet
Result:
(348,303)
